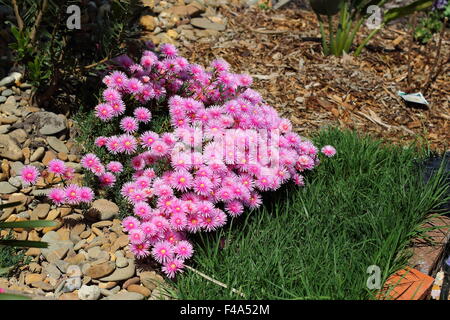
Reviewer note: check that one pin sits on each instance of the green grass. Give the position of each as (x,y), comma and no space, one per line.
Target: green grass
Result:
(358,209)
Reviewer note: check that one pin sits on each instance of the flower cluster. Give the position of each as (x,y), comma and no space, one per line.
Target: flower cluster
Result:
(70,194)
(227,147)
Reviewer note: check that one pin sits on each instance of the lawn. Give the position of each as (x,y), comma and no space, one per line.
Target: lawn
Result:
(358,209)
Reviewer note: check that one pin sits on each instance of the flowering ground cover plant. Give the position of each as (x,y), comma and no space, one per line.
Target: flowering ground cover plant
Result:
(227,146)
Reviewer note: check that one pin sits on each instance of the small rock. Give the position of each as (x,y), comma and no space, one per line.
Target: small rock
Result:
(122,273)
(19,135)
(9,148)
(52,271)
(151,280)
(33,277)
(139,289)
(15,181)
(13,77)
(104,209)
(7,92)
(204,23)
(89,293)
(125,296)
(134,280)
(101,270)
(43,286)
(37,154)
(121,262)
(149,22)
(62,265)
(47,123)
(94,253)
(57,145)
(41,210)
(57,248)
(69,296)
(76,259)
(7,188)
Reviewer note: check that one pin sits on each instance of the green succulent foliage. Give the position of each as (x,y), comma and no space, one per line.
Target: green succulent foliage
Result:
(432,23)
(352,15)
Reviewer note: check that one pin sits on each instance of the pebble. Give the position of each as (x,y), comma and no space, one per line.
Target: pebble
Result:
(89,293)
(122,273)
(57,145)
(7,92)
(125,296)
(121,262)
(151,280)
(7,188)
(9,148)
(37,154)
(103,209)
(100,270)
(139,289)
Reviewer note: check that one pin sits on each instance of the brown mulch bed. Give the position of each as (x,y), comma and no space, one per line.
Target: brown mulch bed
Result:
(278,48)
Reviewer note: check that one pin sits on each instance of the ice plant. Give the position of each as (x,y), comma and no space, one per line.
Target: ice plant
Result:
(227,146)
(29,175)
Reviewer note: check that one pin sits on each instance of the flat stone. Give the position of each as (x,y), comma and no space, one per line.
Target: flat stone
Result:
(10,106)
(43,286)
(121,262)
(73,271)
(57,144)
(47,123)
(37,154)
(62,265)
(101,270)
(41,210)
(4,128)
(72,283)
(127,283)
(15,182)
(104,209)
(125,296)
(76,259)
(33,277)
(139,289)
(122,273)
(7,188)
(186,10)
(19,135)
(69,296)
(13,77)
(16,168)
(89,293)
(52,271)
(149,22)
(102,224)
(9,148)
(57,248)
(7,92)
(204,23)
(151,280)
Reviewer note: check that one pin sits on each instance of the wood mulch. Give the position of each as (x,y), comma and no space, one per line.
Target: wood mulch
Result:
(281,49)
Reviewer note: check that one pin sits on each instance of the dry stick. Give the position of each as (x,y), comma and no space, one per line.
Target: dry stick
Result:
(37,23)
(410,55)
(432,76)
(17,14)
(215,281)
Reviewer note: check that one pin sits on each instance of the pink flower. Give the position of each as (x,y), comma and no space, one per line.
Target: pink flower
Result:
(129,124)
(86,194)
(104,112)
(56,166)
(111,95)
(142,114)
(178,221)
(58,196)
(142,209)
(329,151)
(184,250)
(114,166)
(149,229)
(89,161)
(159,148)
(148,138)
(171,267)
(127,144)
(168,50)
(29,175)
(107,179)
(117,108)
(100,141)
(130,223)
(69,173)
(162,251)
(118,79)
(182,180)
(113,144)
(140,250)
(234,208)
(136,236)
(73,194)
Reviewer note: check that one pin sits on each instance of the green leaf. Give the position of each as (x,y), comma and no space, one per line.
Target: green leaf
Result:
(400,12)
(4,271)
(24,244)
(28,224)
(10,296)
(10,204)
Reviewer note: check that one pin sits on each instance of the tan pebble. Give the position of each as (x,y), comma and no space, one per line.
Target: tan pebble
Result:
(33,277)
(97,231)
(134,280)
(26,153)
(72,158)
(76,259)
(91,238)
(5,167)
(65,211)
(62,156)
(21,236)
(48,229)
(107,285)
(69,296)
(49,155)
(11,218)
(112,257)
(86,234)
(33,236)
(64,233)
(53,214)
(139,289)
(102,224)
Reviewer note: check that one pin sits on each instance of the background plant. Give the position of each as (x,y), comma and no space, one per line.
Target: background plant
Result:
(433,22)
(352,14)
(60,62)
